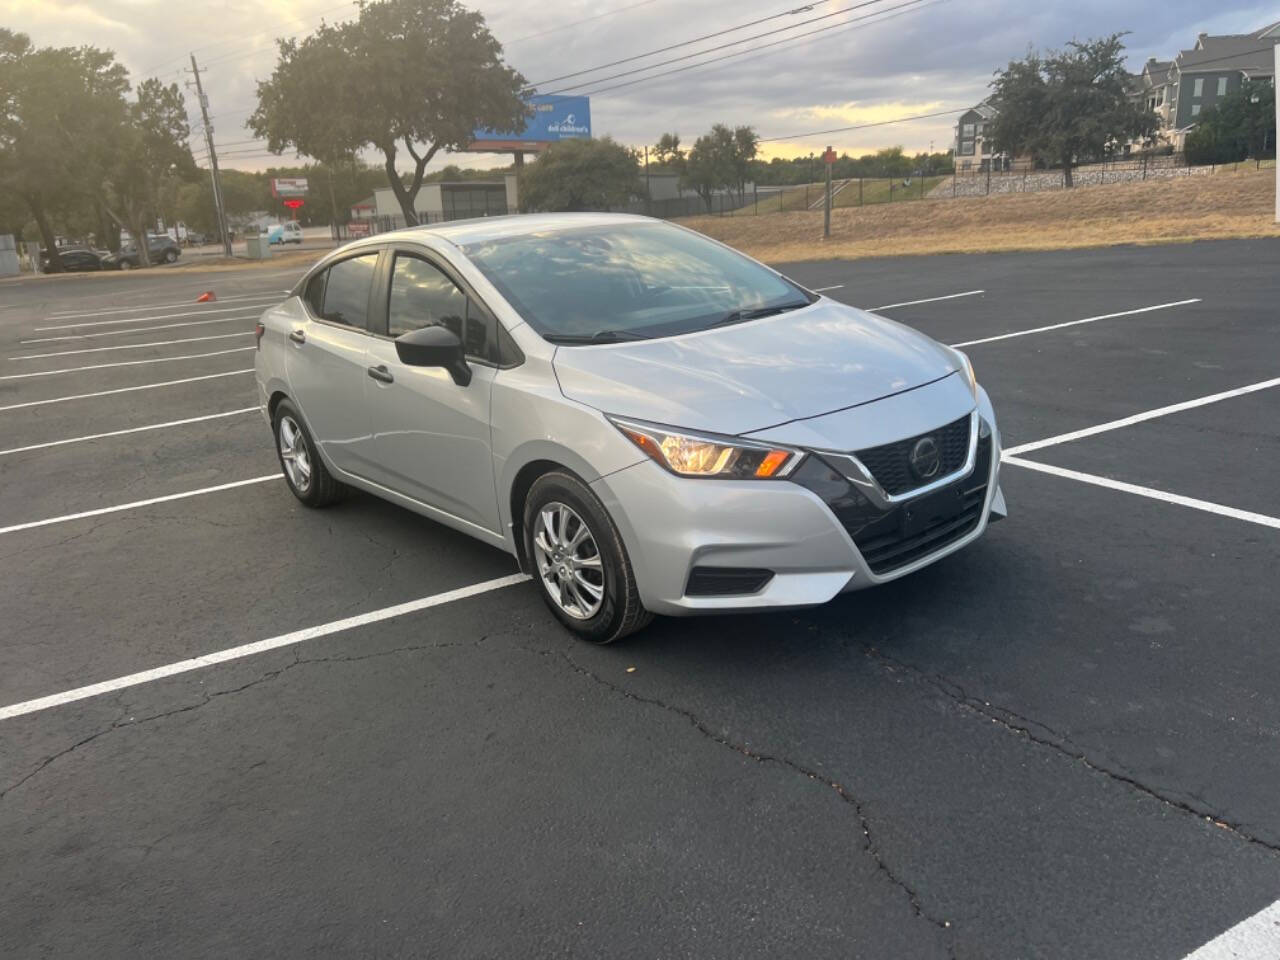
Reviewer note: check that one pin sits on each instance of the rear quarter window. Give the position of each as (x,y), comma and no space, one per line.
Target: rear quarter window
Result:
(314,293)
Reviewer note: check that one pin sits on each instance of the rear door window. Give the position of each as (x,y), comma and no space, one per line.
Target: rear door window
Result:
(346,292)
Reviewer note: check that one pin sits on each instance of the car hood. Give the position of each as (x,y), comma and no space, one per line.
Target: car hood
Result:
(757,374)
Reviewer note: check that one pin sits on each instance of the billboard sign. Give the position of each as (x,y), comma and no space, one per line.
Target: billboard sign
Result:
(289,187)
(553,118)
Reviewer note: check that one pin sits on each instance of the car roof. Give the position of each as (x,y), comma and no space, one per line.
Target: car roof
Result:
(483,229)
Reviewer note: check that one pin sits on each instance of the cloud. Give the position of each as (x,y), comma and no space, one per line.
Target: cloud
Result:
(937,57)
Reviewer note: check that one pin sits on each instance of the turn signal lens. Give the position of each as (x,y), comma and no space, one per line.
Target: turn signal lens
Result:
(259,329)
(690,455)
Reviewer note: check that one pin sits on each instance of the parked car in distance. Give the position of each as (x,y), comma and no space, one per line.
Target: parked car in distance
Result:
(77,259)
(196,239)
(162,249)
(648,420)
(288,232)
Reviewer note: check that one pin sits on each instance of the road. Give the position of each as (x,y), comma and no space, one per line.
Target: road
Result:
(1063,741)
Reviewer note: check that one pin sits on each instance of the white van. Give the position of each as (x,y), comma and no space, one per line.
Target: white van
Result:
(288,232)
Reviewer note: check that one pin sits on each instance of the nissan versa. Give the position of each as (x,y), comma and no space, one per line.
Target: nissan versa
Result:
(651,422)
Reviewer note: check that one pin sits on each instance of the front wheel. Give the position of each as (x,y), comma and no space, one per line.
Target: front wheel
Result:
(305,473)
(171,256)
(579,561)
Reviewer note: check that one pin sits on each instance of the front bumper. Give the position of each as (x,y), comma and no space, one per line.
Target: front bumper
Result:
(807,536)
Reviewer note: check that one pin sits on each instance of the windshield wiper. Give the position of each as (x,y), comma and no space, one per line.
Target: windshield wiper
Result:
(754,313)
(600,336)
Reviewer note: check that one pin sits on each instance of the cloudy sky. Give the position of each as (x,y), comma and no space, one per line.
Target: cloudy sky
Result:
(930,56)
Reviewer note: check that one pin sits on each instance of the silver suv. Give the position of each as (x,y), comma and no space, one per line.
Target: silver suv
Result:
(649,421)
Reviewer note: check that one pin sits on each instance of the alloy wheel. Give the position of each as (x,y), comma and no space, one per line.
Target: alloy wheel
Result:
(294,455)
(568,559)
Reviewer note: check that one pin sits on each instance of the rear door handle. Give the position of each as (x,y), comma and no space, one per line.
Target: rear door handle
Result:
(381,374)
(298,336)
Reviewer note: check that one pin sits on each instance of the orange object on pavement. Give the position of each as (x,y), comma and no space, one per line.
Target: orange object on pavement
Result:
(207,297)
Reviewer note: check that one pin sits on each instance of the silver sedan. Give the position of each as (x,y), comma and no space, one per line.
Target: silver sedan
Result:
(649,421)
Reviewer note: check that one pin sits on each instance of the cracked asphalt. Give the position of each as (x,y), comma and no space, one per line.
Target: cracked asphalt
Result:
(1061,742)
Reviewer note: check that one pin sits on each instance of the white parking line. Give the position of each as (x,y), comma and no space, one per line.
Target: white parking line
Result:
(260,646)
(240,318)
(912,303)
(133,346)
(838,286)
(159,306)
(83,514)
(1223,511)
(1140,417)
(120,433)
(158,316)
(107,393)
(1256,938)
(122,363)
(1073,323)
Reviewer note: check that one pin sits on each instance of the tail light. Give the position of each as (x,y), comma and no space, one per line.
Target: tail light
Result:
(258,330)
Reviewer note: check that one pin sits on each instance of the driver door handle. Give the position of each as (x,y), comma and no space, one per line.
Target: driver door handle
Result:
(298,336)
(381,374)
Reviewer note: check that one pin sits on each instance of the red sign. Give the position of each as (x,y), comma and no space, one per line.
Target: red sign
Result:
(358,228)
(829,156)
(293,204)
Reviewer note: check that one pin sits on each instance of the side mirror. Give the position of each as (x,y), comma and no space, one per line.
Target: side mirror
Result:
(435,346)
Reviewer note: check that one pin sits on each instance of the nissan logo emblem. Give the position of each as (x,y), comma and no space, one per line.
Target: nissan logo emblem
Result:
(925,458)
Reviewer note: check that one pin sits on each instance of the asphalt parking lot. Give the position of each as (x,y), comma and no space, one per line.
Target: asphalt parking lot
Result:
(1063,741)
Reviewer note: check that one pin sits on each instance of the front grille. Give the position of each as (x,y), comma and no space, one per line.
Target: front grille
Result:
(891,465)
(891,539)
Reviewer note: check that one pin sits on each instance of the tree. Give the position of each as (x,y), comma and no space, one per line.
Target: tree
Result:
(746,143)
(1241,124)
(147,149)
(1067,105)
(59,110)
(667,152)
(711,164)
(581,174)
(422,74)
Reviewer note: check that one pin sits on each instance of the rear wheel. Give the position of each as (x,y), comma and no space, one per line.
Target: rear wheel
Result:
(579,561)
(304,471)
(170,256)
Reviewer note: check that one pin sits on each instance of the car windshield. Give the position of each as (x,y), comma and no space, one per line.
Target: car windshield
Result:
(629,281)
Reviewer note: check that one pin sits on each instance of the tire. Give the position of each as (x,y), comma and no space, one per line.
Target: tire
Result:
(125,265)
(619,611)
(305,473)
(171,256)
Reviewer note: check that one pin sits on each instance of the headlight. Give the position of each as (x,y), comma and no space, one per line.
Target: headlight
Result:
(701,455)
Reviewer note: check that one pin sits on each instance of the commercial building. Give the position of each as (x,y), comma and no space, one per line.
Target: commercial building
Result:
(450,200)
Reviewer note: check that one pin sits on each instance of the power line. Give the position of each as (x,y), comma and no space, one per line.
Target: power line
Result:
(223,43)
(901,8)
(731,43)
(574,23)
(676,46)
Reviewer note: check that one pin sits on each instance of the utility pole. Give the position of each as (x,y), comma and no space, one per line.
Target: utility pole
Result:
(648,192)
(826,207)
(213,160)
